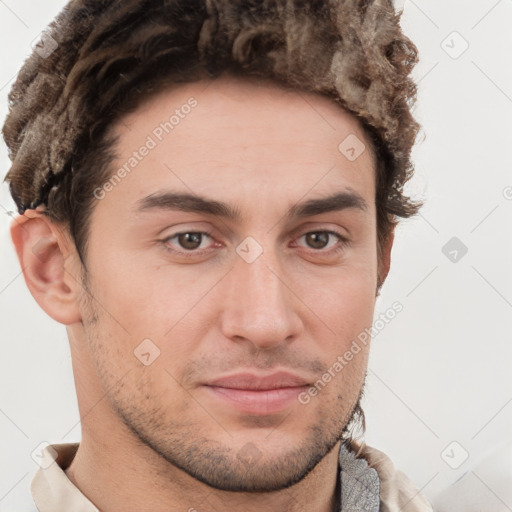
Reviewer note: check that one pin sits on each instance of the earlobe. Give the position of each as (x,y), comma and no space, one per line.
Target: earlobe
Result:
(42,250)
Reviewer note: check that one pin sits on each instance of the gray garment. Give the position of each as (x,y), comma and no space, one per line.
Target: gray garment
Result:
(360,484)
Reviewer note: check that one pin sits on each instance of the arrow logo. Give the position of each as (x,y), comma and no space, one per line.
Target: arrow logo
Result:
(249,454)
(249,249)
(454,249)
(454,455)
(146,352)
(351,147)
(454,45)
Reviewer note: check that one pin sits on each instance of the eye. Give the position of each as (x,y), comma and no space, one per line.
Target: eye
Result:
(189,241)
(320,240)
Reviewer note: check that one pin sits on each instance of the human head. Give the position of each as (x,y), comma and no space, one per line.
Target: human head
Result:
(102,102)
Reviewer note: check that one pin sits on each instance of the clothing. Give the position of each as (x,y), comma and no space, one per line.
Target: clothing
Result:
(369,483)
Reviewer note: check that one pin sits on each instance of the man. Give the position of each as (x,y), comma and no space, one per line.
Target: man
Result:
(208,192)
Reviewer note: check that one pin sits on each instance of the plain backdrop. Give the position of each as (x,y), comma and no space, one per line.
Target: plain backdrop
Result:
(439,390)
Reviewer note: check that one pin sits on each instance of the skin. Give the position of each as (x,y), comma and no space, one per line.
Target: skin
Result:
(155,437)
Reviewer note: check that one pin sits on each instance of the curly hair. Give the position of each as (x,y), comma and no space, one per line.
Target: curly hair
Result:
(109,56)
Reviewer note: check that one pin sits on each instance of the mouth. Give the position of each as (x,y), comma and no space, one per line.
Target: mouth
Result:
(257,394)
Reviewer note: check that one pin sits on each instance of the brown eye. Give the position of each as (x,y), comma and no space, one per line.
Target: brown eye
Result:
(323,239)
(190,241)
(317,240)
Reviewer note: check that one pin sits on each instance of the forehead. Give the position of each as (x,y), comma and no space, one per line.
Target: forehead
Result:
(234,138)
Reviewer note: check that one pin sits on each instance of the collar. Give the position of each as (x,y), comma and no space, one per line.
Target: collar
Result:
(360,484)
(51,489)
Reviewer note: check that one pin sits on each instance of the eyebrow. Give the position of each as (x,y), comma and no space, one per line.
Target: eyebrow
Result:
(187,202)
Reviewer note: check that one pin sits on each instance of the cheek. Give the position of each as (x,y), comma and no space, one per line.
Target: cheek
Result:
(141,302)
(346,306)
(146,299)
(345,301)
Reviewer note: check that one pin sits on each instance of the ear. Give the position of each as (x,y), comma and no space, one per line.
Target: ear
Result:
(385,258)
(48,262)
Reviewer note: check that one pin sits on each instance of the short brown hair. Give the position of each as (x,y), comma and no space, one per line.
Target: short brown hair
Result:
(110,56)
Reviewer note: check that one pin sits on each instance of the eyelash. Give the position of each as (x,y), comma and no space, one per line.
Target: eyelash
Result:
(343,242)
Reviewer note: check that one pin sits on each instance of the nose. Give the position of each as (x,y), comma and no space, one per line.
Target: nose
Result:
(260,306)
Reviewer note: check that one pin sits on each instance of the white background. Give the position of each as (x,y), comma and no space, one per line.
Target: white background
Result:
(441,371)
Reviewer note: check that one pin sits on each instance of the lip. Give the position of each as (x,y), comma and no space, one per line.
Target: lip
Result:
(251,381)
(258,394)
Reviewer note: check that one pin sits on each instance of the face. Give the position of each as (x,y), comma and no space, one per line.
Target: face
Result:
(232,265)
